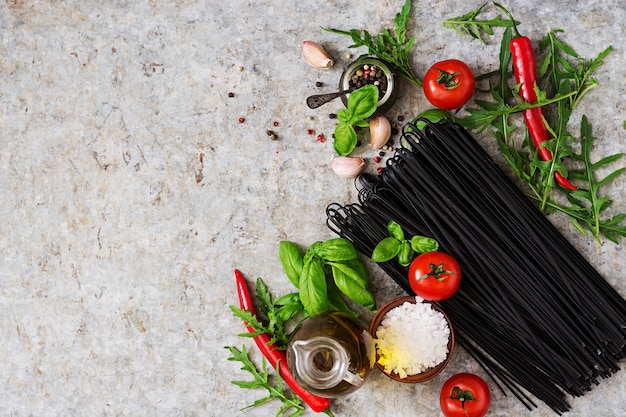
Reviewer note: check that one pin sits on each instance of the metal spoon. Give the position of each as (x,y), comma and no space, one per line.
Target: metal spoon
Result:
(317,100)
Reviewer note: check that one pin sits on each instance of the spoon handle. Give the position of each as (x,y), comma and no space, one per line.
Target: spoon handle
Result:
(315,101)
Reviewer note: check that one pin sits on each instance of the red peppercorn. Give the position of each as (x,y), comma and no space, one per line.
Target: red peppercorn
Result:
(379,169)
(241,120)
(310,131)
(377,159)
(275,124)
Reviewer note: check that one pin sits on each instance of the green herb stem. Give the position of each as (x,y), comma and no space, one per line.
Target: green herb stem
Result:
(393,48)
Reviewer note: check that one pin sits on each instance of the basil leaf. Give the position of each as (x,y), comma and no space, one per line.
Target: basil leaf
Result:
(313,292)
(432,115)
(363,102)
(349,282)
(359,268)
(337,302)
(345,138)
(386,250)
(395,230)
(405,255)
(288,311)
(344,115)
(339,249)
(423,244)
(293,297)
(291,260)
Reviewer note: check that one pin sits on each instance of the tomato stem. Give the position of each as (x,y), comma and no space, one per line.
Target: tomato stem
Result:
(437,271)
(446,79)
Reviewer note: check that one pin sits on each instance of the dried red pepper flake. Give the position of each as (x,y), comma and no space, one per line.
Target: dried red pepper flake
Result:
(377,159)
(310,131)
(379,169)
(321,138)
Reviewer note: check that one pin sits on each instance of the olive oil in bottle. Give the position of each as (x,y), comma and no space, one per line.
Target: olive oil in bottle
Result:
(331,354)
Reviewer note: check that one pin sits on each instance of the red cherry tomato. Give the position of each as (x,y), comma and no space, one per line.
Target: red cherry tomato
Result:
(434,276)
(464,395)
(449,84)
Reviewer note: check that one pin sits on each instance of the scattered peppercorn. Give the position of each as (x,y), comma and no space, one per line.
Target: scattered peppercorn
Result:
(321,138)
(319,84)
(377,159)
(332,116)
(310,131)
(379,169)
(275,124)
(231,94)
(270,132)
(394,130)
(400,118)
(242,119)
(381,154)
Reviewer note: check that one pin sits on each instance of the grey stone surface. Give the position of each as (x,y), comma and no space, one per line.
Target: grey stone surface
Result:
(129,190)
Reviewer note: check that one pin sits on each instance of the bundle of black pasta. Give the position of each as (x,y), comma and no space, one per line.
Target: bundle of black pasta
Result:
(531,310)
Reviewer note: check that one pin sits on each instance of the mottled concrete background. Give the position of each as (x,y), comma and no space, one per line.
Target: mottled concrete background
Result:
(129,190)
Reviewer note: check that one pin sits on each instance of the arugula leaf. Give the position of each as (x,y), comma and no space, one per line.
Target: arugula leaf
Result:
(392,48)
(565,78)
(469,24)
(292,403)
(556,66)
(611,227)
(265,302)
(251,320)
(276,313)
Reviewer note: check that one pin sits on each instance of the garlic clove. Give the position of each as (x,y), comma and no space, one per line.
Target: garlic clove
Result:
(315,55)
(348,166)
(380,131)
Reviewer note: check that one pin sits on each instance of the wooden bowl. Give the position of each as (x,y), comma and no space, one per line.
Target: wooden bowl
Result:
(430,372)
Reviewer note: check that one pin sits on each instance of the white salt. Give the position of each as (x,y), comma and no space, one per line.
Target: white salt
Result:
(412,338)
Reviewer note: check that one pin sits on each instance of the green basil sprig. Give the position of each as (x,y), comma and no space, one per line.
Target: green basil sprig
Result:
(328,271)
(362,103)
(397,245)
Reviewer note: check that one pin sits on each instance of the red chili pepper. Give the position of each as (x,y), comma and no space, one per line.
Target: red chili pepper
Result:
(525,68)
(276,357)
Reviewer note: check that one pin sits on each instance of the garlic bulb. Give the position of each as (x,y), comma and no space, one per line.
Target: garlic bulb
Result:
(348,166)
(315,55)
(380,131)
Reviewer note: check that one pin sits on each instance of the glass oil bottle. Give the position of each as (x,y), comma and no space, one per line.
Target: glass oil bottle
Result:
(331,354)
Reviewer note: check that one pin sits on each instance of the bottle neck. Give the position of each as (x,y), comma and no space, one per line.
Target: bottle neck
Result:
(321,362)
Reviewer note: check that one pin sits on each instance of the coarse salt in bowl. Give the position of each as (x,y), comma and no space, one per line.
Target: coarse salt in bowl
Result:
(414,339)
